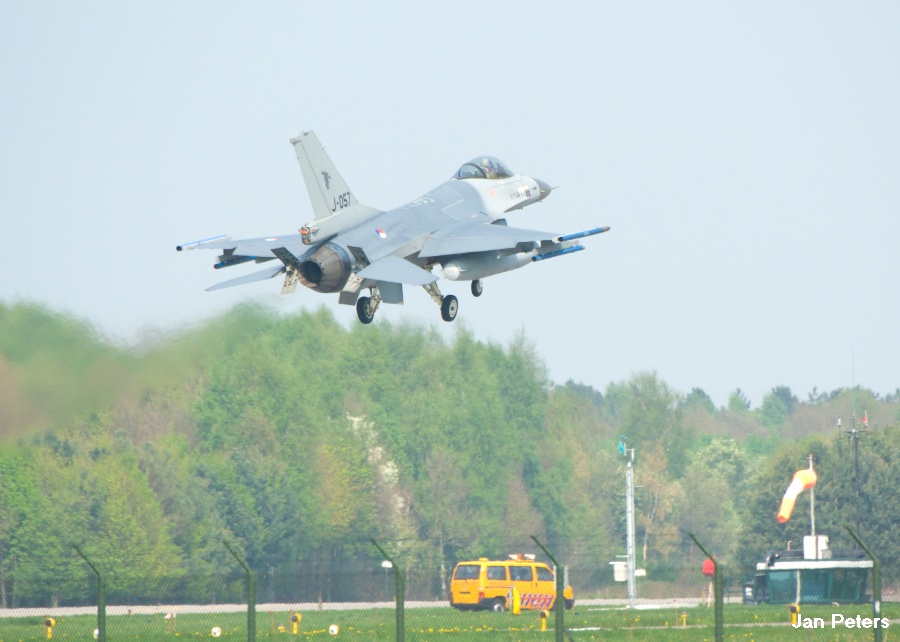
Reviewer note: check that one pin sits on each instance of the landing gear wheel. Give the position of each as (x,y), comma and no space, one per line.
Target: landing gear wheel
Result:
(449,307)
(477,287)
(365,310)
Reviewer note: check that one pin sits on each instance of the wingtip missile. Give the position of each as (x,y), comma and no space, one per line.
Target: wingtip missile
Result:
(193,245)
(579,235)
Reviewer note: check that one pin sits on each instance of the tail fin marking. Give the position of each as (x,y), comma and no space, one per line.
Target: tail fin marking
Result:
(328,193)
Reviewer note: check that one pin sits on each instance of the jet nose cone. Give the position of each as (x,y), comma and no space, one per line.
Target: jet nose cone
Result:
(545,189)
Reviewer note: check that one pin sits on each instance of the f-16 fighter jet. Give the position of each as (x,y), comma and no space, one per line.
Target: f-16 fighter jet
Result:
(351,249)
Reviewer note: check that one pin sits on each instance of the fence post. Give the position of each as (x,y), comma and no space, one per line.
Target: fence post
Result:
(101,597)
(717,591)
(559,604)
(876,584)
(401,594)
(251,594)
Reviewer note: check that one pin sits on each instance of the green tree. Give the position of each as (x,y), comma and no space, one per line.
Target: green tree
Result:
(659,495)
(297,439)
(697,398)
(648,412)
(774,412)
(714,485)
(724,457)
(738,402)
(879,452)
(189,507)
(17,493)
(787,398)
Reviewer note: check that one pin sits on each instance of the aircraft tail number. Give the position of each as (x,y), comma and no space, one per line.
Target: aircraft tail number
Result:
(328,193)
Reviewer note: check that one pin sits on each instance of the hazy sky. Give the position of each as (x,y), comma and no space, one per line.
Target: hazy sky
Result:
(746,156)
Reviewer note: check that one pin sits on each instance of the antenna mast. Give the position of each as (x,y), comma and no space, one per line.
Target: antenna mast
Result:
(853,433)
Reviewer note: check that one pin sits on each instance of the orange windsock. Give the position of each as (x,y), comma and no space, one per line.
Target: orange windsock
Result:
(804,479)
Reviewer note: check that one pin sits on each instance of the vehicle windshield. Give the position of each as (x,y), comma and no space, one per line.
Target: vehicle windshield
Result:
(484,167)
(544,574)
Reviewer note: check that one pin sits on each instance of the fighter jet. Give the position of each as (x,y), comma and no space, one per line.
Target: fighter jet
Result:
(459,227)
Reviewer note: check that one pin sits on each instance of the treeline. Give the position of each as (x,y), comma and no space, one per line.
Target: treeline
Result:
(298,440)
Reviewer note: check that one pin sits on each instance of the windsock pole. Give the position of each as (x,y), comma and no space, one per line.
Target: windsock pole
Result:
(812,510)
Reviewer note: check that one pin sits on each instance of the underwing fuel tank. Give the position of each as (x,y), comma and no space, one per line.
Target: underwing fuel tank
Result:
(469,267)
(326,270)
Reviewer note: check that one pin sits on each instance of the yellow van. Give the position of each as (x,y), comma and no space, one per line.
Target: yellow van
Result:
(488,584)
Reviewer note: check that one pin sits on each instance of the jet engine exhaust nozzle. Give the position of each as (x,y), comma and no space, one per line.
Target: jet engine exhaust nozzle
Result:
(327,270)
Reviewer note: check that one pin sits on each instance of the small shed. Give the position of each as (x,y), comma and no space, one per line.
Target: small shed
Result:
(789,580)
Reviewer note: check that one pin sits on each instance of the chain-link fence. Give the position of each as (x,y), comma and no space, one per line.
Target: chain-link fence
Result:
(357,599)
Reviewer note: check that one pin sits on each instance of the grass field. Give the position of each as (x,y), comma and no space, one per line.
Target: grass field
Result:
(742,623)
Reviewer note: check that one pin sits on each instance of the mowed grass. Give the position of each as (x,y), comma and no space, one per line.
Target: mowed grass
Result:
(742,623)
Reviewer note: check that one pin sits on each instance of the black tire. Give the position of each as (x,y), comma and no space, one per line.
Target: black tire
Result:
(364,310)
(570,604)
(499,605)
(449,307)
(477,287)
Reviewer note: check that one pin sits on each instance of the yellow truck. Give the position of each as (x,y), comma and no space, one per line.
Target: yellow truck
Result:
(489,584)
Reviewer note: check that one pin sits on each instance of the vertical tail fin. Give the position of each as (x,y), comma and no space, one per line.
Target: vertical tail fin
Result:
(328,193)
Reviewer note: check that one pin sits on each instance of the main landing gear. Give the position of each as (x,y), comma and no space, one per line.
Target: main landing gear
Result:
(449,307)
(449,304)
(367,306)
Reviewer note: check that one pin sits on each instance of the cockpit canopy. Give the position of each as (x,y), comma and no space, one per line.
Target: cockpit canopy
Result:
(484,167)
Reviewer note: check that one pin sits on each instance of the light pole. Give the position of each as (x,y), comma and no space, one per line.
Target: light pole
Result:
(629,516)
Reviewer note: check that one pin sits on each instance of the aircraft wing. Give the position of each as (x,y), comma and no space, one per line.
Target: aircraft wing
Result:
(257,248)
(241,251)
(262,275)
(480,237)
